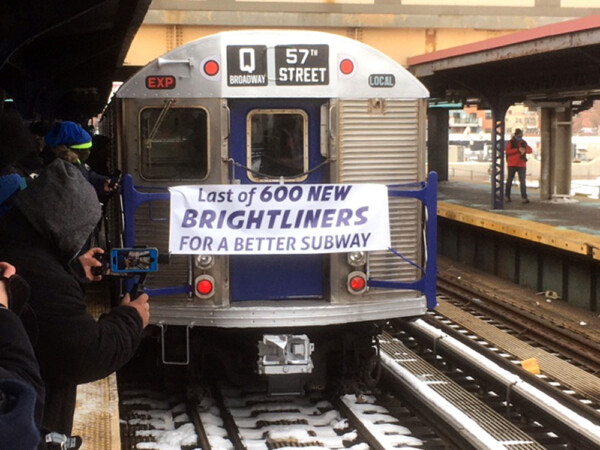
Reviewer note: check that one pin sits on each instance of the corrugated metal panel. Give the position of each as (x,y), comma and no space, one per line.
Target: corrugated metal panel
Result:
(152,230)
(382,147)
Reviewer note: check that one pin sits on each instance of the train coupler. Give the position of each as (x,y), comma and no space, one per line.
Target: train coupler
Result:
(285,359)
(282,354)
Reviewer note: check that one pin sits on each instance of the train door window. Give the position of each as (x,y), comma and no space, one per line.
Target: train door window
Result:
(277,144)
(174,143)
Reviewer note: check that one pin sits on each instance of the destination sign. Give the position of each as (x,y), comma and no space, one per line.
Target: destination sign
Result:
(246,65)
(301,65)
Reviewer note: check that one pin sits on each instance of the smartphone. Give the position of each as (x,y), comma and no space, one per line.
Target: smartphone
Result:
(115,178)
(134,260)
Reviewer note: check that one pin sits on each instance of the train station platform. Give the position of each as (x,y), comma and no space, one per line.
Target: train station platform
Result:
(568,223)
(96,417)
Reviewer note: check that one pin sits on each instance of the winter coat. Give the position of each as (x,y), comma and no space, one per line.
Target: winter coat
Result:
(65,153)
(96,180)
(71,345)
(42,234)
(21,386)
(513,155)
(10,184)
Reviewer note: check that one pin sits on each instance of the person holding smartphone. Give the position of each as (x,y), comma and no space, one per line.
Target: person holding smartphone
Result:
(70,142)
(43,234)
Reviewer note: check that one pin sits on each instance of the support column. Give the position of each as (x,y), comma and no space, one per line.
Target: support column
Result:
(556,151)
(498,113)
(546,116)
(562,128)
(437,141)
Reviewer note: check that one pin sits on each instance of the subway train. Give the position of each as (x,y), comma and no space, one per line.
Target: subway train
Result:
(282,177)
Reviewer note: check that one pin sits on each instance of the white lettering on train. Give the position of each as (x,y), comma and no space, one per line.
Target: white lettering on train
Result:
(302,74)
(245,80)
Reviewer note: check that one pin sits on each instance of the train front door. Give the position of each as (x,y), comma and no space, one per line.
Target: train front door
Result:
(276,138)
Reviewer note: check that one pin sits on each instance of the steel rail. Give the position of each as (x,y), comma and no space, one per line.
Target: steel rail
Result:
(228,421)
(192,408)
(459,417)
(577,347)
(577,427)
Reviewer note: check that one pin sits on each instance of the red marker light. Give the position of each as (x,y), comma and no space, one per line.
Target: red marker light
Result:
(357,283)
(204,287)
(346,66)
(211,68)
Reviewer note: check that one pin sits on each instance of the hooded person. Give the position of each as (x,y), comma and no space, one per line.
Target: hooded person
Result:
(42,235)
(68,141)
(21,386)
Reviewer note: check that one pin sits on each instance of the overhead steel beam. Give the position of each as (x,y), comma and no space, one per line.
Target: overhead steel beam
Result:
(563,36)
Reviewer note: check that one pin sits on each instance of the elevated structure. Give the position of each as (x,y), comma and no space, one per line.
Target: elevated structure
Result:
(442,15)
(400,29)
(555,67)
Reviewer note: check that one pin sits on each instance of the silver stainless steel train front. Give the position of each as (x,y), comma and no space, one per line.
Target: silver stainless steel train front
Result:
(206,114)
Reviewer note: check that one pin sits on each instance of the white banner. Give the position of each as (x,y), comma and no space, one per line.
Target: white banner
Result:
(278,219)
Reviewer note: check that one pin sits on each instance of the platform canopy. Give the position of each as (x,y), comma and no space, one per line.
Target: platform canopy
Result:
(553,63)
(59,57)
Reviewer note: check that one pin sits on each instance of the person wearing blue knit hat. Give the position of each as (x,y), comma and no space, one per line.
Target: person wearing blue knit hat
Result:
(67,140)
(69,134)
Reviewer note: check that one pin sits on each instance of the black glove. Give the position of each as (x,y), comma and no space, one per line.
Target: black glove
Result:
(18,291)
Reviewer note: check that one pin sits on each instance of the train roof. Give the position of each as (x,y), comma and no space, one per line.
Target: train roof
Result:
(276,64)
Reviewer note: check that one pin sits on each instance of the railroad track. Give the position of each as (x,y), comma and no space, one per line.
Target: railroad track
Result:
(474,400)
(559,336)
(446,395)
(443,386)
(231,418)
(485,317)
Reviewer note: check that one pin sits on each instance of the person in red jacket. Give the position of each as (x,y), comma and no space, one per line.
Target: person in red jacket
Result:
(516,157)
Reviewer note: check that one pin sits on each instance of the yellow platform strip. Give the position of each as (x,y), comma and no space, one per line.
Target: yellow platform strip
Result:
(96,417)
(569,240)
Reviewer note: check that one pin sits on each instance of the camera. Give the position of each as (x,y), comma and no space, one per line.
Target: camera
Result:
(104,269)
(523,145)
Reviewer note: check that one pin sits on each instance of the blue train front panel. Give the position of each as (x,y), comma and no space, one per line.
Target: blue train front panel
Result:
(284,142)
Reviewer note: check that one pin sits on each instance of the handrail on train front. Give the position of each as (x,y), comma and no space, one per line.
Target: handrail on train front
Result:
(426,192)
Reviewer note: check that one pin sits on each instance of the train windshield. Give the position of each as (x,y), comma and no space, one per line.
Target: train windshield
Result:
(174,143)
(278,144)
